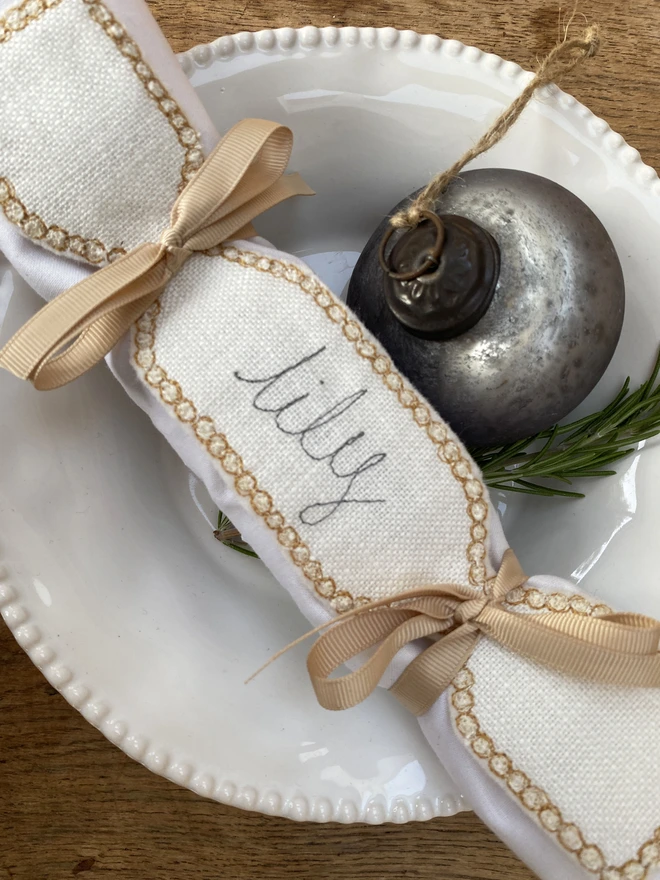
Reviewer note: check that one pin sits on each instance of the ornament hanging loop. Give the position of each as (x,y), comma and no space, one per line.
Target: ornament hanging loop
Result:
(432,258)
(561,60)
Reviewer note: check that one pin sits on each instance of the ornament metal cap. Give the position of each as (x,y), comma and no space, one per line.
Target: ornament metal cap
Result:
(440,274)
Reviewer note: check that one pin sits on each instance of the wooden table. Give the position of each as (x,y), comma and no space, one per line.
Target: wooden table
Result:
(72,803)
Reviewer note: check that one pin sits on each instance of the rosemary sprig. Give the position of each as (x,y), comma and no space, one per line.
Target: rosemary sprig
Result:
(584,448)
(563,453)
(225,527)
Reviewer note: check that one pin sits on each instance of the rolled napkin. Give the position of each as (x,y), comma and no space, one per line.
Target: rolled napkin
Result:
(121,208)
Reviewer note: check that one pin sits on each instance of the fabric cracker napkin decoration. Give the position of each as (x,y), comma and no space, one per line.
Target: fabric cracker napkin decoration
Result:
(123,208)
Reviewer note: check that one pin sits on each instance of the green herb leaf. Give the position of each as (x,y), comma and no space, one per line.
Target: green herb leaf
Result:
(577,450)
(242,548)
(224,525)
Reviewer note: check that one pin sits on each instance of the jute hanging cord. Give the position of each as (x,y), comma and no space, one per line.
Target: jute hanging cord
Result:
(560,61)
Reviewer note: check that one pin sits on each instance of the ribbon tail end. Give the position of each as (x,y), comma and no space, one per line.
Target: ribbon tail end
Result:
(301,188)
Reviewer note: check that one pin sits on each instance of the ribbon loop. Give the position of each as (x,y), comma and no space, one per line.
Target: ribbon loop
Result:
(618,649)
(239,180)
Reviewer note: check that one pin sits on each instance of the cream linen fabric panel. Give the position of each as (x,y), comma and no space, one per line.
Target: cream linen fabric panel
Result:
(83,143)
(533,715)
(258,355)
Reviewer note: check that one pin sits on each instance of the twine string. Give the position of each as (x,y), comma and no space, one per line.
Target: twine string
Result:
(564,58)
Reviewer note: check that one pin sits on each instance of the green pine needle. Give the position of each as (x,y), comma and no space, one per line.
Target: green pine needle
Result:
(565,453)
(235,543)
(577,450)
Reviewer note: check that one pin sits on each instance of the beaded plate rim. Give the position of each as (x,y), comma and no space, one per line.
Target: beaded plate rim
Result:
(323,39)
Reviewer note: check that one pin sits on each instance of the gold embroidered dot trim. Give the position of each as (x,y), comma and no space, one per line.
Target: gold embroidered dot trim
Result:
(448,450)
(91,250)
(560,603)
(186,135)
(533,798)
(217,445)
(32,225)
(19,17)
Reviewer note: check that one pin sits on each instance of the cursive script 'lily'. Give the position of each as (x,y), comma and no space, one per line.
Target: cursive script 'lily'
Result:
(320,429)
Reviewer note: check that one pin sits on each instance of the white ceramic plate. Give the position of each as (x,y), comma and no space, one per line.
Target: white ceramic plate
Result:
(111,581)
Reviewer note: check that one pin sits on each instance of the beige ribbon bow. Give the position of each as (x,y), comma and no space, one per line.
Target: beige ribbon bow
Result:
(619,649)
(239,180)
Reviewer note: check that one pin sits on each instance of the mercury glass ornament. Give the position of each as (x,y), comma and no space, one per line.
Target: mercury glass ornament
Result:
(506,312)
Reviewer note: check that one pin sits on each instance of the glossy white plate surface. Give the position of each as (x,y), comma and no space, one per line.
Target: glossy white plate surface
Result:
(110,579)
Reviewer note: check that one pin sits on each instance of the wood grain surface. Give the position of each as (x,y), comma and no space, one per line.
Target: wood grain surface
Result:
(71,803)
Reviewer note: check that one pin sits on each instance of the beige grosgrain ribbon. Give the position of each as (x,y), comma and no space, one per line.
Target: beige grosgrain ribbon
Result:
(239,180)
(618,649)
